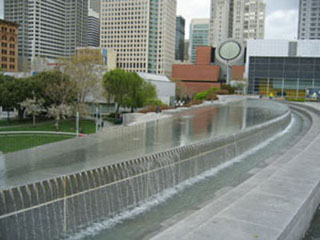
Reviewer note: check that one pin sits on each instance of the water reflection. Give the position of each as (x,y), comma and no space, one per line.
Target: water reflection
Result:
(130,142)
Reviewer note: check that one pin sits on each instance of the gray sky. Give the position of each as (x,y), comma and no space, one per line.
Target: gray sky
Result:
(281,21)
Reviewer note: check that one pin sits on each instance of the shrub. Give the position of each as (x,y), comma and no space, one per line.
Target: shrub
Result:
(201,96)
(222,92)
(229,88)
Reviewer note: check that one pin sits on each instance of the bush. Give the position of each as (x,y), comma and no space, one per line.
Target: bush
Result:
(212,97)
(201,96)
(229,88)
(222,92)
(155,102)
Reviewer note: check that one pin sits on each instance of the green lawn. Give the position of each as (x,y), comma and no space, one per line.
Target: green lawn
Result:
(12,143)
(88,126)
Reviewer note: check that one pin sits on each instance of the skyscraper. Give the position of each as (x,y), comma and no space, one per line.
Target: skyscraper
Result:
(93,29)
(237,19)
(199,36)
(95,5)
(142,32)
(309,19)
(49,29)
(180,33)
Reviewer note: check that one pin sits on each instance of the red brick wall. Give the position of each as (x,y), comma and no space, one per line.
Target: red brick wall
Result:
(237,72)
(203,55)
(188,72)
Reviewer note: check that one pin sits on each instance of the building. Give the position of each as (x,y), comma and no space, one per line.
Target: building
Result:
(236,19)
(95,5)
(9,46)
(142,32)
(49,29)
(200,76)
(186,50)
(283,68)
(220,12)
(93,29)
(104,56)
(180,34)
(199,36)
(309,19)
(166,90)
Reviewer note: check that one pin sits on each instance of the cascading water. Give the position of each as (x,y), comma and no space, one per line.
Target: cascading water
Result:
(70,203)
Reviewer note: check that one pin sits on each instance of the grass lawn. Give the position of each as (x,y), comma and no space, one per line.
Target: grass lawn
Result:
(88,126)
(12,143)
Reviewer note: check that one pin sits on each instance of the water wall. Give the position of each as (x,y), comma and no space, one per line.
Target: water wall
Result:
(61,206)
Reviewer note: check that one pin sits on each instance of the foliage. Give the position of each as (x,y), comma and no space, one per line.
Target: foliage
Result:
(128,89)
(155,102)
(13,91)
(59,112)
(201,96)
(116,86)
(229,88)
(33,107)
(84,71)
(222,92)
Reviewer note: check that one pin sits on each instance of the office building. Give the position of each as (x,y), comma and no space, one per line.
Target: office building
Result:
(199,36)
(180,34)
(48,29)
(8,46)
(237,19)
(93,29)
(142,32)
(95,5)
(186,50)
(102,56)
(282,67)
(309,19)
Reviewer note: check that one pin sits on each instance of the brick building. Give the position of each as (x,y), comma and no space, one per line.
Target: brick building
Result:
(200,76)
(8,46)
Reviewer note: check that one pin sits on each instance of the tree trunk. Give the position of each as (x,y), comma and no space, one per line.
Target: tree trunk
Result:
(34,120)
(8,117)
(20,114)
(132,110)
(118,107)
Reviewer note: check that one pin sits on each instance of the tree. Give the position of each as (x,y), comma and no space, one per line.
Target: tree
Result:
(33,107)
(116,85)
(55,88)
(59,112)
(13,91)
(59,94)
(84,70)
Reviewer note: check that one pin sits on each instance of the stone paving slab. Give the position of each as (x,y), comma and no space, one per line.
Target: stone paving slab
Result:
(276,203)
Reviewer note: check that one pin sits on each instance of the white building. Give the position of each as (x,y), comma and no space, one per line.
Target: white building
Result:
(237,19)
(142,32)
(93,34)
(166,90)
(309,19)
(49,29)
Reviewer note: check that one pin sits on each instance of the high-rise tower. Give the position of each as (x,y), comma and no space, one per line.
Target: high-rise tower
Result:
(49,29)
(142,32)
(309,19)
(237,19)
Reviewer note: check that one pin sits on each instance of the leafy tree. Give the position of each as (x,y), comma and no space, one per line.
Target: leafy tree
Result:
(116,85)
(33,107)
(55,88)
(128,89)
(13,91)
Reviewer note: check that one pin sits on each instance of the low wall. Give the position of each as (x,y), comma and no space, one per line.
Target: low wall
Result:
(53,208)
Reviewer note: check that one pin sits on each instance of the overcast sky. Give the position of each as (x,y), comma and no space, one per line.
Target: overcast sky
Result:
(281,21)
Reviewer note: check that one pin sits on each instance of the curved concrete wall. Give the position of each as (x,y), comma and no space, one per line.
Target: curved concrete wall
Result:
(52,208)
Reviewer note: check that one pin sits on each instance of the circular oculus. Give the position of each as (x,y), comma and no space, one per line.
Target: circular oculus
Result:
(229,50)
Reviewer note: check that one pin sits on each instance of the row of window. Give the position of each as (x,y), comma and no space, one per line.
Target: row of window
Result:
(5,38)
(3,44)
(5,52)
(5,59)
(5,29)
(5,66)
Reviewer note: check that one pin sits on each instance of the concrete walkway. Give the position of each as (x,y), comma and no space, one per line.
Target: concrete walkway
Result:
(276,203)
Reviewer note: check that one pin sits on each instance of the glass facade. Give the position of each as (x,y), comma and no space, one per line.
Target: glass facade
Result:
(180,33)
(199,36)
(283,76)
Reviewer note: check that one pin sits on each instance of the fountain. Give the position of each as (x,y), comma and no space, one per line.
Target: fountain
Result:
(60,206)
